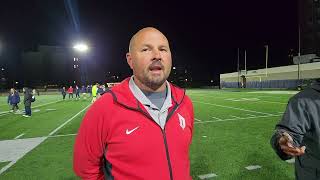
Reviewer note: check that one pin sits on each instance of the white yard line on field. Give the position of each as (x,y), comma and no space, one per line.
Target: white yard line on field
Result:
(207,176)
(229,107)
(228,98)
(216,118)
(61,126)
(19,136)
(236,119)
(62,135)
(272,102)
(197,119)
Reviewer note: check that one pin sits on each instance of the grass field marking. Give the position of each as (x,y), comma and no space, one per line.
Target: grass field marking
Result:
(19,136)
(197,119)
(216,118)
(251,99)
(40,105)
(62,135)
(236,119)
(13,150)
(251,115)
(273,102)
(207,176)
(4,113)
(58,128)
(253,167)
(229,107)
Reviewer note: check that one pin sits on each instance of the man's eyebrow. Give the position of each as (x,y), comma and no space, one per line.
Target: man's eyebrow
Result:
(163,46)
(145,45)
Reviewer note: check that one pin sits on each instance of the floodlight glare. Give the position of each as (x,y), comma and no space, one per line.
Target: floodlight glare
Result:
(81,47)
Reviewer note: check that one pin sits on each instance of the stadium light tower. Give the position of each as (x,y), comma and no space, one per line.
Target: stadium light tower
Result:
(81,47)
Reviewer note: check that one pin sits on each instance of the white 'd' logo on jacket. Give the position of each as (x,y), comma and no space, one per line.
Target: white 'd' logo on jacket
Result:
(182,121)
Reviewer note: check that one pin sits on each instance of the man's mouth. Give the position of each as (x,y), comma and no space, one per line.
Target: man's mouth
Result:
(155,68)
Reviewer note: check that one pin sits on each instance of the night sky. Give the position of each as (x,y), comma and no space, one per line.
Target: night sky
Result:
(203,35)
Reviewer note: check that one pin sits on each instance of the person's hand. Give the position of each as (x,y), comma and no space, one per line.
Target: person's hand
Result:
(286,145)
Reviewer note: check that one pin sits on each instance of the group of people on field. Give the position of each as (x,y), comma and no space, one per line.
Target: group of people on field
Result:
(14,100)
(95,91)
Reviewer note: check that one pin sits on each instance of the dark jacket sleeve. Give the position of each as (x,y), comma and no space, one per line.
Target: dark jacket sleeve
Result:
(18,96)
(295,122)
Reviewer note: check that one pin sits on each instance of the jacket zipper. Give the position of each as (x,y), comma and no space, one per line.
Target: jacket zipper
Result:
(163,133)
(162,130)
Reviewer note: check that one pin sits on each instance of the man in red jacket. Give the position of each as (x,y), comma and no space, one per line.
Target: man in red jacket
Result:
(141,128)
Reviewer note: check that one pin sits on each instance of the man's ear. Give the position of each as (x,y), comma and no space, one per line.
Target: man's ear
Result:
(129,60)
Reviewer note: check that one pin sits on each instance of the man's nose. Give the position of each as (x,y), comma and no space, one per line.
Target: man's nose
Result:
(156,55)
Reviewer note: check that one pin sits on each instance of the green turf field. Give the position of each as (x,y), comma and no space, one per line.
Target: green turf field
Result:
(232,131)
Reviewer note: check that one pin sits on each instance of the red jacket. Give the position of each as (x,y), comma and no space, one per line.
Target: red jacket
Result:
(119,139)
(70,90)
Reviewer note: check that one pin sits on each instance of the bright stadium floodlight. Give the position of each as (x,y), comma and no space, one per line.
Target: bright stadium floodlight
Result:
(81,47)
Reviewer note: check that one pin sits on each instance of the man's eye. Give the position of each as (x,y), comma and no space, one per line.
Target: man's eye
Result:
(145,49)
(165,50)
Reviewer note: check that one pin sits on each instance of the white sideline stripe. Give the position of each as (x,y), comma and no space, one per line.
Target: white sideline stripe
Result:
(62,135)
(273,102)
(197,119)
(216,118)
(236,119)
(57,129)
(7,112)
(207,176)
(231,107)
(253,167)
(19,136)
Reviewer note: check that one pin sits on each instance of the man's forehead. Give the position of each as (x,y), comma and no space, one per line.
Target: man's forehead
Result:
(150,36)
(147,36)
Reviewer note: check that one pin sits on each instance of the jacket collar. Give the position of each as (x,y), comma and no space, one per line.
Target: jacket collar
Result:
(122,94)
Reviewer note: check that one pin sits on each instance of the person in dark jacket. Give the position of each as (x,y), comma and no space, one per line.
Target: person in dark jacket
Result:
(77,92)
(297,135)
(64,93)
(84,92)
(14,100)
(28,99)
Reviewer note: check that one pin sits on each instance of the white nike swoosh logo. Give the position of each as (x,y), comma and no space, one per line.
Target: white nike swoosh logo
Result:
(130,131)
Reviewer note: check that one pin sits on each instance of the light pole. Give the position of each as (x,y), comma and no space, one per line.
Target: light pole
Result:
(81,48)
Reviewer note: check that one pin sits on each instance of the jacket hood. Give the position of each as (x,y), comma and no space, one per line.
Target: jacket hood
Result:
(123,95)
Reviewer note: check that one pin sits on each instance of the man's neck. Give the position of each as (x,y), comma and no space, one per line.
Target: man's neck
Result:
(148,89)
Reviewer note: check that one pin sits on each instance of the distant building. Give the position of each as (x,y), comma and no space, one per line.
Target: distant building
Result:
(51,65)
(290,76)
